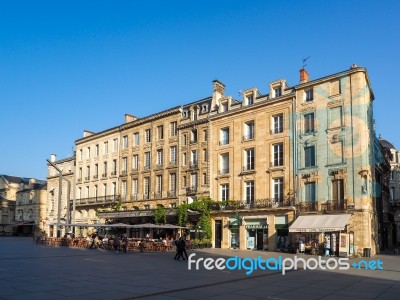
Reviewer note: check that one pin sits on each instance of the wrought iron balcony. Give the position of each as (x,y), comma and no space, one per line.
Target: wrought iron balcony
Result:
(191,190)
(171,193)
(193,165)
(146,196)
(134,197)
(97,200)
(334,205)
(158,195)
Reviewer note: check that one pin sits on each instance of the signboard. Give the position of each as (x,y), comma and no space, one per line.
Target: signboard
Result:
(314,229)
(259,226)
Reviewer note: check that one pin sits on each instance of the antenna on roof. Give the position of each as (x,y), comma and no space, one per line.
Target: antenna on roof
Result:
(304,61)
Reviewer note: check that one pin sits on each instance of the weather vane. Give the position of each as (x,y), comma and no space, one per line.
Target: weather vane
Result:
(304,61)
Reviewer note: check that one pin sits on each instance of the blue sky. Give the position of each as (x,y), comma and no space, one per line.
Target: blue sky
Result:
(66,66)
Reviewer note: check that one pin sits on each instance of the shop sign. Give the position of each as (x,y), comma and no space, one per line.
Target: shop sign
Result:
(259,226)
(315,229)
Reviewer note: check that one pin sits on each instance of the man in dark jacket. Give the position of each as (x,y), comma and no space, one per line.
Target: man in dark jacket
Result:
(116,243)
(180,248)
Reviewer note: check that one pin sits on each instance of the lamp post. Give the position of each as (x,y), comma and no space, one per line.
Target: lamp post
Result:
(60,178)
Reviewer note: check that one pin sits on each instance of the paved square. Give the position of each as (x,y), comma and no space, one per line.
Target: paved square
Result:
(31,271)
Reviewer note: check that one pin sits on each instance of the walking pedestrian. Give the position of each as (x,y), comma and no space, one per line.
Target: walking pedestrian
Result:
(116,243)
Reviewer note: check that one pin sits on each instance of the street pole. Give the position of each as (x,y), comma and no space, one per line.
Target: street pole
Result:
(60,178)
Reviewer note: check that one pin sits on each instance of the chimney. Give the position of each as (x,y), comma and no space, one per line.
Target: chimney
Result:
(304,77)
(130,118)
(353,66)
(87,133)
(218,92)
(53,157)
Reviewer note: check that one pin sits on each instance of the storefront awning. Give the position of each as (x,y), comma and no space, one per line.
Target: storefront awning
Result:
(320,223)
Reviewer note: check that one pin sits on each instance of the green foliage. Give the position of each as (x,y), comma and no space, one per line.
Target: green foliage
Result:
(182,211)
(117,206)
(160,215)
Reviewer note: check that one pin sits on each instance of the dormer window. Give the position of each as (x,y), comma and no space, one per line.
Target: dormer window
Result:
(278,91)
(250,99)
(224,106)
(204,108)
(309,95)
(185,114)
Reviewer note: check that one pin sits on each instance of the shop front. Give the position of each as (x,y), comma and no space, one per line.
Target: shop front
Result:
(234,233)
(256,234)
(323,235)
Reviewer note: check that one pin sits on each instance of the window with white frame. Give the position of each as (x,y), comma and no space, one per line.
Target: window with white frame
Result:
(250,99)
(79,193)
(114,189)
(309,94)
(87,172)
(87,192)
(249,159)
(160,132)
(205,135)
(224,163)
(172,182)
(105,189)
(125,142)
(146,187)
(224,107)
(309,123)
(124,165)
(278,154)
(105,147)
(96,171)
(193,136)
(95,191)
(147,160)
(224,136)
(173,155)
(136,139)
(97,150)
(147,135)
(185,139)
(134,188)
(248,130)
(309,156)
(123,189)
(193,157)
(105,169)
(278,123)
(159,184)
(80,154)
(115,145)
(310,195)
(205,155)
(174,128)
(160,157)
(278,91)
(194,180)
(278,189)
(114,167)
(225,192)
(88,152)
(135,162)
(184,159)
(249,192)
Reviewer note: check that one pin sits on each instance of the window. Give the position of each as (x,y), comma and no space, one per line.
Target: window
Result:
(147,160)
(97,150)
(114,172)
(123,190)
(250,99)
(114,188)
(124,165)
(278,123)
(204,108)
(160,157)
(146,188)
(87,192)
(172,182)
(136,139)
(125,142)
(249,189)
(335,87)
(204,178)
(205,155)
(95,191)
(392,194)
(248,130)
(335,117)
(173,155)
(88,152)
(184,179)
(105,169)
(224,136)
(194,181)
(224,107)
(193,136)
(309,156)
(134,188)
(96,171)
(80,174)
(174,127)
(309,95)
(392,175)
(184,139)
(105,189)
(87,172)
(278,154)
(160,132)
(338,191)
(105,147)
(185,114)
(79,193)
(115,145)
(193,157)
(309,123)
(184,159)
(159,184)
(224,192)
(80,154)
(224,163)
(278,189)
(310,192)
(135,162)
(249,159)
(278,91)
(205,135)
(147,135)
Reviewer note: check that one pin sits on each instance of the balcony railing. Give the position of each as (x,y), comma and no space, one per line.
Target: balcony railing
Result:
(97,200)
(134,197)
(254,204)
(191,190)
(158,195)
(146,196)
(328,206)
(171,193)
(224,171)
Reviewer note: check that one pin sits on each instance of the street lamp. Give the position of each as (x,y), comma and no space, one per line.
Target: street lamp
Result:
(60,178)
